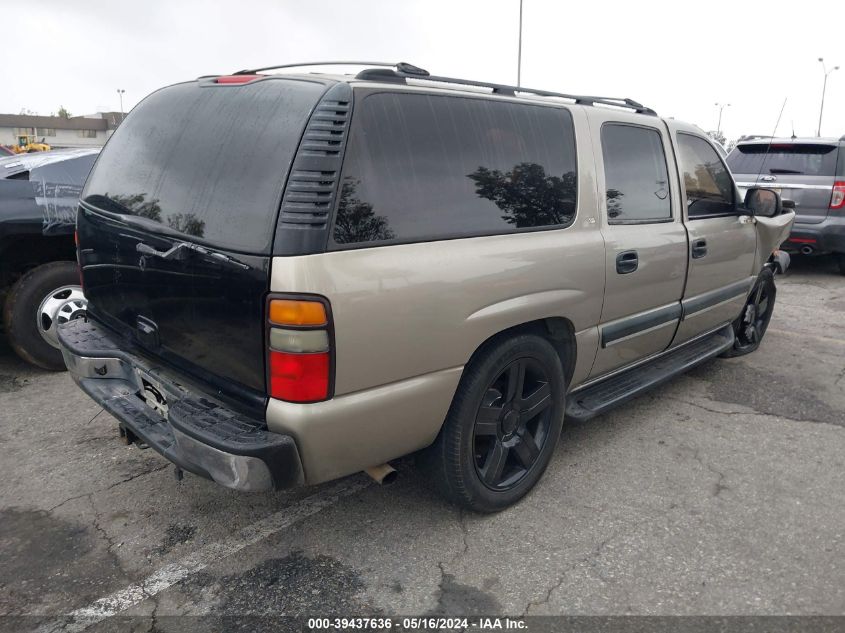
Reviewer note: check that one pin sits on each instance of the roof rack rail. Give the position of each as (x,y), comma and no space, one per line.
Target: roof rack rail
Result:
(380,71)
(400,74)
(403,67)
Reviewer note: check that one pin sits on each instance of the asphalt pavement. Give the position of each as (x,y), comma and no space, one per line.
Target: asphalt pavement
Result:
(719,493)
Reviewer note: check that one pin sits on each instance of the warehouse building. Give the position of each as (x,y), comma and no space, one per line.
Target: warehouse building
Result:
(79,131)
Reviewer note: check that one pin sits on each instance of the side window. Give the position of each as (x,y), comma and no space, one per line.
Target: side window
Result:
(635,173)
(710,188)
(423,167)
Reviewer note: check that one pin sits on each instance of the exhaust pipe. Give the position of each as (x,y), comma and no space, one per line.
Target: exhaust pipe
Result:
(384,474)
(806,250)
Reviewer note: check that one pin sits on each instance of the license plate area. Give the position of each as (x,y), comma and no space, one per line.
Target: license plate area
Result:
(152,393)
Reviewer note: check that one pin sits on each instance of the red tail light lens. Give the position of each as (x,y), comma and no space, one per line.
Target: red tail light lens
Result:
(299,377)
(837,198)
(237,79)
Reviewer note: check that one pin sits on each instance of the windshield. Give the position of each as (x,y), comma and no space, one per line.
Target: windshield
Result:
(206,160)
(810,159)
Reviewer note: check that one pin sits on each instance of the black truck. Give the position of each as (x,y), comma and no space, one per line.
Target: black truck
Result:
(39,280)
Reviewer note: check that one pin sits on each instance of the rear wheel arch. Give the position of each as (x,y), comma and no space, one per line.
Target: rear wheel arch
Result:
(559,331)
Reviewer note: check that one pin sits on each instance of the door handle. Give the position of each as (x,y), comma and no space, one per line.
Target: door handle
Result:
(699,249)
(627,262)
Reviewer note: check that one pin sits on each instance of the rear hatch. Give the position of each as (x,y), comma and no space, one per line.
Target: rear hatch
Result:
(177,219)
(803,172)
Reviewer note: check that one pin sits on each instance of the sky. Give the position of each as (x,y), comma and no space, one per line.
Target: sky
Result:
(679,58)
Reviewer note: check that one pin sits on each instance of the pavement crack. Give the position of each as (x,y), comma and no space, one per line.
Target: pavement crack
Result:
(750,413)
(719,486)
(464,532)
(100,529)
(68,500)
(136,475)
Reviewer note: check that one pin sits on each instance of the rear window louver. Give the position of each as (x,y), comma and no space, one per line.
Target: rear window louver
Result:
(313,181)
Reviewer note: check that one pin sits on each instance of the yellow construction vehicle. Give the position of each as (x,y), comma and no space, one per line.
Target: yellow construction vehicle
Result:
(28,143)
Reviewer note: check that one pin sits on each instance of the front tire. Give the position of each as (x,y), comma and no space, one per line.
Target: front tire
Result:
(21,312)
(502,427)
(752,323)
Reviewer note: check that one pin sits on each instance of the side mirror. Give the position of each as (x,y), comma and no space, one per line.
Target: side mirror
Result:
(763,202)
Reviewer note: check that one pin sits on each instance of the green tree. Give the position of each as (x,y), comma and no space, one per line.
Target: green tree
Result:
(356,220)
(527,195)
(63,112)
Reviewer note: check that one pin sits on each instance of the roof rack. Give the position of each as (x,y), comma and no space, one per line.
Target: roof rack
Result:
(404,67)
(398,75)
(405,71)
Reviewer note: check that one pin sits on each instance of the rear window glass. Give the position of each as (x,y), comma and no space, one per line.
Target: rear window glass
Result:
(808,159)
(422,167)
(208,162)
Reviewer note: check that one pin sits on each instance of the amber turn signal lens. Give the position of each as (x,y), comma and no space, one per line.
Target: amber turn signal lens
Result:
(291,312)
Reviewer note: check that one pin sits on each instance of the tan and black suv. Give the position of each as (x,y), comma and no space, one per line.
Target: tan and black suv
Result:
(296,276)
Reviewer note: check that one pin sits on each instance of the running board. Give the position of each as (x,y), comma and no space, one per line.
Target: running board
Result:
(599,397)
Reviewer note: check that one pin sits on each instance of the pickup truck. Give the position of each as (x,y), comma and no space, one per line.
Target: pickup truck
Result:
(296,276)
(39,280)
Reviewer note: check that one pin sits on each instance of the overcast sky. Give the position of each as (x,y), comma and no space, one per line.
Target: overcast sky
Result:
(676,57)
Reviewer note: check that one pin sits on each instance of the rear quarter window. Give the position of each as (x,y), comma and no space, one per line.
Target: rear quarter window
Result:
(425,167)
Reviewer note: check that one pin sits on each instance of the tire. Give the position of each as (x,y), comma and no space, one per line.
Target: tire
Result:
(750,326)
(840,260)
(490,407)
(20,312)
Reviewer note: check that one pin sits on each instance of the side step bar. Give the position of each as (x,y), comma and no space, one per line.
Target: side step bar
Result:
(595,399)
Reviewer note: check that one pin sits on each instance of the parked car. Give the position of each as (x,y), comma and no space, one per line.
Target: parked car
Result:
(809,171)
(294,277)
(39,279)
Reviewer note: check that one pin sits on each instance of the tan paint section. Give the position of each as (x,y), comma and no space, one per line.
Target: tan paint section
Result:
(407,318)
(349,433)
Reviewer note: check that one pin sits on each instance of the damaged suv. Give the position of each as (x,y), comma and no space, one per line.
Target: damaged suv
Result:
(295,276)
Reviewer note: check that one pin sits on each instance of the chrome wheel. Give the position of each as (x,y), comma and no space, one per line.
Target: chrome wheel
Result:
(60,306)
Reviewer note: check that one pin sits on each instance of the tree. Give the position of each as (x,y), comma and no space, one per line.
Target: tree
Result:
(356,220)
(63,112)
(138,205)
(719,137)
(527,195)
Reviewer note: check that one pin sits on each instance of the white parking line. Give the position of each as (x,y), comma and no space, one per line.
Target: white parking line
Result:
(169,575)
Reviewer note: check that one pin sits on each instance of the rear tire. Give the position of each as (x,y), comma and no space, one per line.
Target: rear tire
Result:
(502,427)
(20,312)
(751,324)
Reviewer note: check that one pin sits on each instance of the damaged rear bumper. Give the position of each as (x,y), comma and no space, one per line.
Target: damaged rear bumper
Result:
(180,422)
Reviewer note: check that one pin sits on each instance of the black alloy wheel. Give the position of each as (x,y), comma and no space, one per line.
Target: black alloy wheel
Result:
(503,424)
(512,424)
(751,325)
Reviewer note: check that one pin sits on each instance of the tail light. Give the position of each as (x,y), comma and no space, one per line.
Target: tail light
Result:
(837,198)
(237,79)
(299,352)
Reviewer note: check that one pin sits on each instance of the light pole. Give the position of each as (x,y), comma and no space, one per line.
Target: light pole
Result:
(721,107)
(519,52)
(120,92)
(824,88)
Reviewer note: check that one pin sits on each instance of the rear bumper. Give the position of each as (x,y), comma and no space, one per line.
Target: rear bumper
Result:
(194,432)
(825,237)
